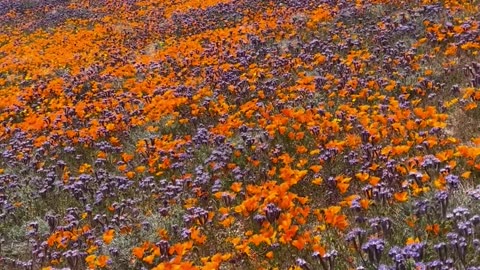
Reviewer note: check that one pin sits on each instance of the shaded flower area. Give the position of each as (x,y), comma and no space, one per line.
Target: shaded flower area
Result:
(246,134)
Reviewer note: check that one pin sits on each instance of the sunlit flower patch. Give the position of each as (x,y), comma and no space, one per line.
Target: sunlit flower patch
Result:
(239,134)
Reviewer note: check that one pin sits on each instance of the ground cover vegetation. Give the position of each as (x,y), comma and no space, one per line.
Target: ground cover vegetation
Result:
(246,134)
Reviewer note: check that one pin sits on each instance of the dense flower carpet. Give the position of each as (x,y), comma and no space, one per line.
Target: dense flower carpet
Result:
(240,134)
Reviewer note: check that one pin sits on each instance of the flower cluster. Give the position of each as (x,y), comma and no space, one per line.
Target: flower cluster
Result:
(287,134)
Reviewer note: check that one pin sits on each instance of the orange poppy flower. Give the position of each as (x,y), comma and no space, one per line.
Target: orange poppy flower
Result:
(401,196)
(108,236)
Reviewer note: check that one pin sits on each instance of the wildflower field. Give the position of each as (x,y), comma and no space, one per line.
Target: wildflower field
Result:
(239,134)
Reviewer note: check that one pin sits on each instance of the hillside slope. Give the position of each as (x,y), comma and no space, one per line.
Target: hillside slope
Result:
(217,134)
